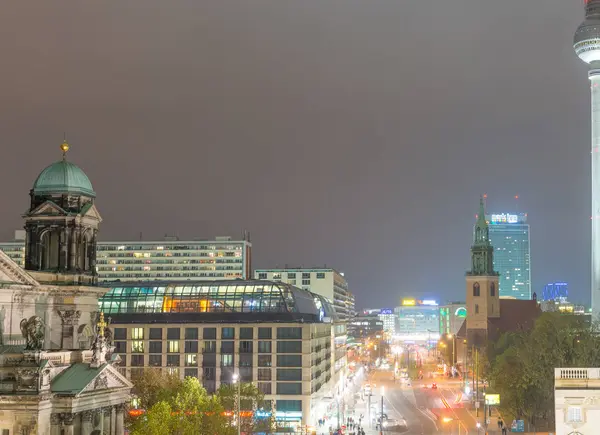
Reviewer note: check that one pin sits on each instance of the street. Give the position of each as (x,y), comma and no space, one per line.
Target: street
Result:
(426,410)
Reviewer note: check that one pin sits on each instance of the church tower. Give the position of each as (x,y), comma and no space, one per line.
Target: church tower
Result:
(61,225)
(483,298)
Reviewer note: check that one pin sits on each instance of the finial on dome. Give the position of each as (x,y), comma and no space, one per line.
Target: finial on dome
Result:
(64,147)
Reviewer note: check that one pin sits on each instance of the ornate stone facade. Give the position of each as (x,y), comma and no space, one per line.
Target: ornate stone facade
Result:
(50,384)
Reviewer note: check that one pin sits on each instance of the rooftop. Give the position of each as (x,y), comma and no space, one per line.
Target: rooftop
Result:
(63,177)
(213,301)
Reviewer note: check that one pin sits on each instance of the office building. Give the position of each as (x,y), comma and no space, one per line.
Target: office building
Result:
(389,319)
(587,46)
(271,333)
(509,234)
(325,282)
(418,321)
(452,316)
(170,259)
(365,325)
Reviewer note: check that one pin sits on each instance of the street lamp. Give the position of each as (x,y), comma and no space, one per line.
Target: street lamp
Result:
(338,411)
(236,378)
(381,416)
(453,337)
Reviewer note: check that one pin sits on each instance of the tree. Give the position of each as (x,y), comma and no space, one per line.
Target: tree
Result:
(251,399)
(157,421)
(177,407)
(154,386)
(522,364)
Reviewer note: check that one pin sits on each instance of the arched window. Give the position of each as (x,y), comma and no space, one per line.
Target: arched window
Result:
(476,290)
(493,289)
(476,309)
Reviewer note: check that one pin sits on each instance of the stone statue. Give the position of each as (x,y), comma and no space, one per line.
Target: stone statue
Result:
(33,332)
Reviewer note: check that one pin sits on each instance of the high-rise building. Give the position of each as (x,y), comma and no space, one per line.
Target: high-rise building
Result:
(171,259)
(587,46)
(509,234)
(325,282)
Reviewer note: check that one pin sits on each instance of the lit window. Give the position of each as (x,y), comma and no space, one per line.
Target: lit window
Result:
(137,347)
(173,346)
(191,360)
(137,333)
(160,248)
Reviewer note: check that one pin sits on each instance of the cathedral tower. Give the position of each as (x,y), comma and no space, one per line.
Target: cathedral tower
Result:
(62,225)
(483,298)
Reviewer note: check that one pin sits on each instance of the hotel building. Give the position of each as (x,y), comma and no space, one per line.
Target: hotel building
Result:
(271,333)
(332,285)
(170,259)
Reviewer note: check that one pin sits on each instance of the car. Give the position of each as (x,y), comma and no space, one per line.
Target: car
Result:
(392,422)
(434,386)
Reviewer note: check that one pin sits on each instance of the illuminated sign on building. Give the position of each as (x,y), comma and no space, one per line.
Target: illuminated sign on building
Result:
(386,311)
(429,302)
(504,218)
(409,302)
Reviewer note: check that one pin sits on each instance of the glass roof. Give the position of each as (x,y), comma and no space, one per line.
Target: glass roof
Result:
(213,297)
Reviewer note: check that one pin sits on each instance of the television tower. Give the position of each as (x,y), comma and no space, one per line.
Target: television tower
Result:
(587,46)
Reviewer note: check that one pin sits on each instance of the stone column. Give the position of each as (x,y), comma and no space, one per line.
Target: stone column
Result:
(87,422)
(106,418)
(55,424)
(67,420)
(113,420)
(119,423)
(72,249)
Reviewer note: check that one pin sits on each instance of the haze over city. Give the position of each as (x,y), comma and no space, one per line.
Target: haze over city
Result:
(349,133)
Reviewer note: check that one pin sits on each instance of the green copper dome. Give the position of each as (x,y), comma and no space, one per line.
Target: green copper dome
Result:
(63,177)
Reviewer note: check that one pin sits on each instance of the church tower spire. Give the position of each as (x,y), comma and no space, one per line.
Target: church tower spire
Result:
(482,251)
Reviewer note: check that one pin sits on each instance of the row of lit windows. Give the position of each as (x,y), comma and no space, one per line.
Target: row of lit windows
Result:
(168,254)
(178,261)
(162,268)
(209,333)
(115,247)
(291,275)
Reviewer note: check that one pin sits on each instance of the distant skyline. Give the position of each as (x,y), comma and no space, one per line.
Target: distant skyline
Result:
(348,133)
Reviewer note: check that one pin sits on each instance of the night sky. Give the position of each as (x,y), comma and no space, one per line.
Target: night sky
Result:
(353,133)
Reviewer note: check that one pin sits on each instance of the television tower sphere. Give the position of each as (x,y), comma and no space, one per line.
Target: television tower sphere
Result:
(587,37)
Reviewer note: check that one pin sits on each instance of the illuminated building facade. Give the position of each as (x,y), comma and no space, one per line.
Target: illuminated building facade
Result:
(273,334)
(452,316)
(509,234)
(171,259)
(387,316)
(418,321)
(325,282)
(555,290)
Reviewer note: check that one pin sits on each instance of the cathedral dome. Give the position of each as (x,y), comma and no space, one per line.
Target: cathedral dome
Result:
(63,177)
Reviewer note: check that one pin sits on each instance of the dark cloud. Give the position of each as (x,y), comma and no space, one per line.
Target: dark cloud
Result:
(349,132)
